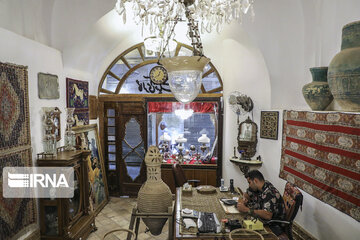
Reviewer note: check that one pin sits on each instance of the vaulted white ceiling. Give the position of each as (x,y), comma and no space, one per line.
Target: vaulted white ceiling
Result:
(292,35)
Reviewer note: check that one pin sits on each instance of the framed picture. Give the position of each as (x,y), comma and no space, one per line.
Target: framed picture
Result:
(81,117)
(269,123)
(87,138)
(48,86)
(77,94)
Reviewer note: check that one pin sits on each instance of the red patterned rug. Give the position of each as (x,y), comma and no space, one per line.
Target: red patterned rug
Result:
(17,216)
(321,155)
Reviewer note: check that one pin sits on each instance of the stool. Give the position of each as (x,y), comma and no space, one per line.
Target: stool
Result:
(136,215)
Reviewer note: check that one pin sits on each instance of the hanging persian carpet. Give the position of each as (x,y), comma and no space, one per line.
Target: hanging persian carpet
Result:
(321,155)
(17,215)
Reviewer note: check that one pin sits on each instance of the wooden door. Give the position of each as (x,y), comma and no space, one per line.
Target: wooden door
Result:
(125,135)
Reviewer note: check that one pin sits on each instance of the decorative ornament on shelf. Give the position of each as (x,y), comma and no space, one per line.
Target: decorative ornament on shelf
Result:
(69,133)
(50,138)
(205,141)
(180,141)
(165,144)
(240,104)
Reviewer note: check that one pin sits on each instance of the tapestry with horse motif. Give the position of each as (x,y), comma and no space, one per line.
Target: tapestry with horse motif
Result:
(321,155)
(17,215)
(77,94)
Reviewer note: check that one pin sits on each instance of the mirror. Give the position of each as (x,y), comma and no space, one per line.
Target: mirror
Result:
(247,139)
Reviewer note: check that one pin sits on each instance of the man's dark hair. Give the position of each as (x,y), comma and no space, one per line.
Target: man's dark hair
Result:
(255,174)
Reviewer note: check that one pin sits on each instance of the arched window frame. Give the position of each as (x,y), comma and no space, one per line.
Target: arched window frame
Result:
(139,47)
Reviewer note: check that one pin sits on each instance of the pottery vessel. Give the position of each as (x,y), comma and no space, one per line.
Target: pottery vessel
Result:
(317,93)
(344,69)
(154,195)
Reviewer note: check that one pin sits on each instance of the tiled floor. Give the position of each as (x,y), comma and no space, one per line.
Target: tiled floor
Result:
(116,214)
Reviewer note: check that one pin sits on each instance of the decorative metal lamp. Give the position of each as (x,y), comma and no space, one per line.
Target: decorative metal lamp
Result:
(185,72)
(165,138)
(205,141)
(180,141)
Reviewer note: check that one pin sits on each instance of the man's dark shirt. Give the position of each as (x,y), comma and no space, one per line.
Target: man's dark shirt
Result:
(268,199)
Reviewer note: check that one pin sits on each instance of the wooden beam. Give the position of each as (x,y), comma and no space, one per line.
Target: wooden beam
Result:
(215,90)
(177,50)
(106,91)
(125,62)
(141,53)
(114,76)
(208,72)
(203,88)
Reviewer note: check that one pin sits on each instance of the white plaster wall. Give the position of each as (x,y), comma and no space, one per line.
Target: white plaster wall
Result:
(302,34)
(39,58)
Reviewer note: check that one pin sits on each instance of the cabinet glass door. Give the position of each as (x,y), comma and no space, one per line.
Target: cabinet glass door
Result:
(75,202)
(51,221)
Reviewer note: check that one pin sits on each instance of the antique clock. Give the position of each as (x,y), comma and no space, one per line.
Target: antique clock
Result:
(158,74)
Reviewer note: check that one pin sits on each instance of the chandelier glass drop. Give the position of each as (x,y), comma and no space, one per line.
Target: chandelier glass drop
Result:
(210,14)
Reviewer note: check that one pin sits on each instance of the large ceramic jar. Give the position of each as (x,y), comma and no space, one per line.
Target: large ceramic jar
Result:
(154,195)
(344,69)
(317,93)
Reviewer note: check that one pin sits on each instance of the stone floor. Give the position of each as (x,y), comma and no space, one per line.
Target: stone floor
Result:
(116,214)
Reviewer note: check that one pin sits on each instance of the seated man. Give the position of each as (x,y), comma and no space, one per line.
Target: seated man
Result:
(262,200)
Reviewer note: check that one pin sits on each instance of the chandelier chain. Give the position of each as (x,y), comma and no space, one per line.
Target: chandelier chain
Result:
(194,34)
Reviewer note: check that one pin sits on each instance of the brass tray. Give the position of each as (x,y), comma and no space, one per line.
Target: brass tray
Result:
(206,189)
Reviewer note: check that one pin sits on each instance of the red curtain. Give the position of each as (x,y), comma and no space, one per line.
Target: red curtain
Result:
(199,107)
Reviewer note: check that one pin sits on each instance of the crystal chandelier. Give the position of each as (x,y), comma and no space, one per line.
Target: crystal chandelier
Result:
(161,16)
(209,14)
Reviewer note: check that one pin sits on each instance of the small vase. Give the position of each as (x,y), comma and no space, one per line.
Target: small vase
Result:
(344,70)
(317,93)
(154,195)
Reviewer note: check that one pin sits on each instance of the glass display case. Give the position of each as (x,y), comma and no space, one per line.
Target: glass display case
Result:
(189,134)
(67,218)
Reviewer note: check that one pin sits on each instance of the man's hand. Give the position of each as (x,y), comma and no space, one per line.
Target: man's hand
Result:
(241,206)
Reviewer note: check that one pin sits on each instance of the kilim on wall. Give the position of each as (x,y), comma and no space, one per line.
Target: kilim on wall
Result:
(321,155)
(17,215)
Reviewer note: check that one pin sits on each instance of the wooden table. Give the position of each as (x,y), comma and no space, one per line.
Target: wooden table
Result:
(214,198)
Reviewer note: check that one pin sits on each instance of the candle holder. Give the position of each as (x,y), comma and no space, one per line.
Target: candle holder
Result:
(69,133)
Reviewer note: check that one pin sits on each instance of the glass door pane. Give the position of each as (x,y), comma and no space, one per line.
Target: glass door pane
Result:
(133,148)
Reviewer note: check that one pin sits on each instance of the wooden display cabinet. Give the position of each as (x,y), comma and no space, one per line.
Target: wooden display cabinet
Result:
(64,218)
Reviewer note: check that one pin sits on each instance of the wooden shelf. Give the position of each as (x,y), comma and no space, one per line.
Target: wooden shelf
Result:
(245,165)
